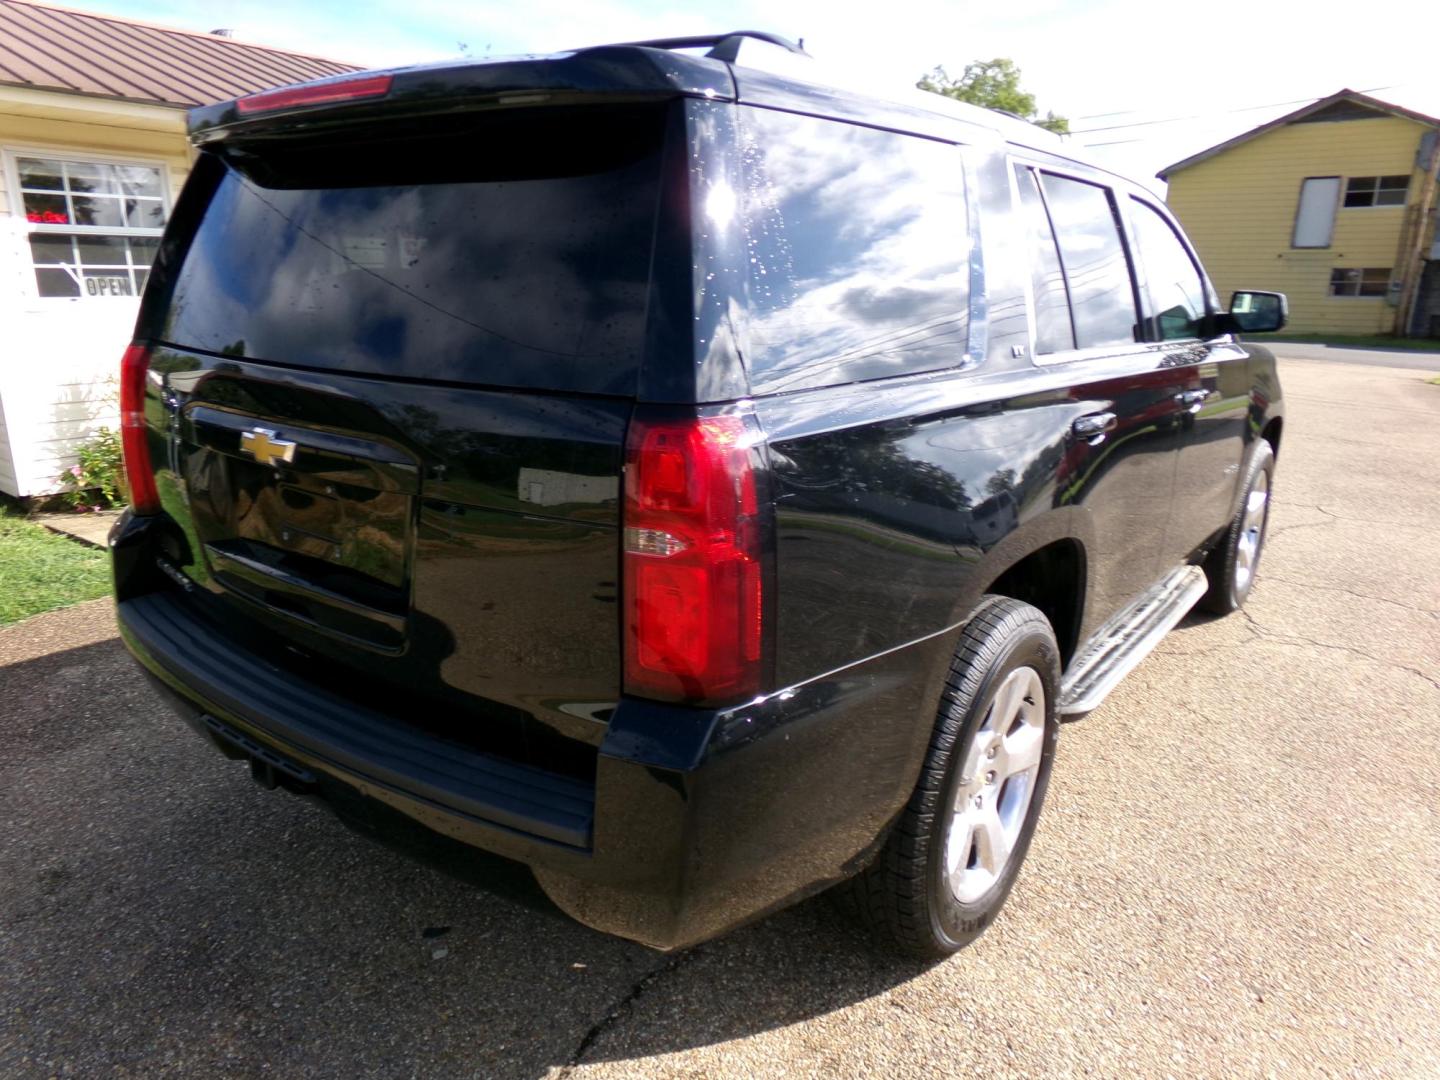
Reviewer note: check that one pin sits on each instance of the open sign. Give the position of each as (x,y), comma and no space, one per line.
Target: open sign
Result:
(117,285)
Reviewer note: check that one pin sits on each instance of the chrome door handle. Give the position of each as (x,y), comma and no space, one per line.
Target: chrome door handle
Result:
(1190,398)
(1093,424)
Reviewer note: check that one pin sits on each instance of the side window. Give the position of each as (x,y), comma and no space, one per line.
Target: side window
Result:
(1176,289)
(1053,332)
(1102,299)
(859,252)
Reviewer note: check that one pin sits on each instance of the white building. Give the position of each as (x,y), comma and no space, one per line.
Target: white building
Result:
(92,154)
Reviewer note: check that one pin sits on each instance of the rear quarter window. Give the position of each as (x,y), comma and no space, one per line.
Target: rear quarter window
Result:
(859,252)
(510,251)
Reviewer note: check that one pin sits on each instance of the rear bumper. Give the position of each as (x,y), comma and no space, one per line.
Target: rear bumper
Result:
(697,820)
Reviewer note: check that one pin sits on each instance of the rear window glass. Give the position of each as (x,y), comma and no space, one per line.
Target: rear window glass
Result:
(513,252)
(859,252)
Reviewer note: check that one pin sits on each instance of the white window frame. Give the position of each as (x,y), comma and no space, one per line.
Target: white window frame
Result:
(1330,294)
(9,159)
(1345,190)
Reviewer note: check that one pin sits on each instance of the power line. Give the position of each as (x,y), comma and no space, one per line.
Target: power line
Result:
(1203,115)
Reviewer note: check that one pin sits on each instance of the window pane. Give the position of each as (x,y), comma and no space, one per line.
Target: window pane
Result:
(1401,182)
(145,213)
(526,266)
(1315,214)
(1374,281)
(56,283)
(85,177)
(1360,198)
(1360,183)
(138,179)
(143,252)
(51,249)
(1176,289)
(1390,197)
(40,173)
(46,209)
(860,252)
(140,278)
(104,250)
(1095,265)
(98,210)
(1053,332)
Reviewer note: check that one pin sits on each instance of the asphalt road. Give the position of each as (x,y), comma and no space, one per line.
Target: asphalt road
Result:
(1237,873)
(1336,354)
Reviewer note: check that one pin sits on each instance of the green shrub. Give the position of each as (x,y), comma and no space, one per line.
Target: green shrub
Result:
(95,480)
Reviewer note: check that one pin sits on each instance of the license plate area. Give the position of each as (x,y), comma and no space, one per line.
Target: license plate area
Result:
(325,537)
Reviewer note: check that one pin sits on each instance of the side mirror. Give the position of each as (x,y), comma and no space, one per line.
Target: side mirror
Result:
(1258,312)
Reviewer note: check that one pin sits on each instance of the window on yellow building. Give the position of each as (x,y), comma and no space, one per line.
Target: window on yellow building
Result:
(1315,216)
(1376,190)
(1370,281)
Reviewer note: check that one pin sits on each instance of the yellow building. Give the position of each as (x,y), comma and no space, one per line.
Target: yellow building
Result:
(92,154)
(1333,205)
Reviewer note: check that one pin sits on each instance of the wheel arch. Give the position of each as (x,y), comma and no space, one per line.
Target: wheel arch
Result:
(1044,563)
(1271,433)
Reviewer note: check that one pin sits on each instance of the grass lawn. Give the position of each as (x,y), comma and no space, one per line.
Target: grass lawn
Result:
(1351,341)
(40,571)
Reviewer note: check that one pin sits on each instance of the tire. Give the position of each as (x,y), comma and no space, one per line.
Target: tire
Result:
(1232,566)
(966,813)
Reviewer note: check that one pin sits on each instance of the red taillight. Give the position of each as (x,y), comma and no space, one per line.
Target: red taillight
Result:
(139,477)
(692,561)
(329,93)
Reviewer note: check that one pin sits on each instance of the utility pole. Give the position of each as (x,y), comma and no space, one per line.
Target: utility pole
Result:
(1412,251)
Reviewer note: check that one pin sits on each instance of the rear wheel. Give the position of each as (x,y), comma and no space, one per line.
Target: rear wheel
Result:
(1232,565)
(953,856)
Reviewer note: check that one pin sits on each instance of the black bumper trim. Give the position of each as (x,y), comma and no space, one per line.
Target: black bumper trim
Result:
(286,710)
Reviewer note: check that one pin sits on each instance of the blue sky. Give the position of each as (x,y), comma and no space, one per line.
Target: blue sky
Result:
(1145,82)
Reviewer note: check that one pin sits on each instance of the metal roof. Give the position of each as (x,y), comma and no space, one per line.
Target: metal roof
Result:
(44,47)
(1300,115)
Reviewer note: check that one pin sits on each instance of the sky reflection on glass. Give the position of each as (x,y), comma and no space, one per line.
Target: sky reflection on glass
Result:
(858,252)
(533,282)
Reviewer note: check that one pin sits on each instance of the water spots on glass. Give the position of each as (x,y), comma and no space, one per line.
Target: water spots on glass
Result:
(858,252)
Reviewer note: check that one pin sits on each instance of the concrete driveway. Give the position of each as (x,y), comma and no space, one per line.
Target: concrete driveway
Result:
(1237,873)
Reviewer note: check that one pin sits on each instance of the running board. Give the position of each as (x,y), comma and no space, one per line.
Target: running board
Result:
(1097,671)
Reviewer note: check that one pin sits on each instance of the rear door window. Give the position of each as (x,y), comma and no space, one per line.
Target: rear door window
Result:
(1087,229)
(858,252)
(511,251)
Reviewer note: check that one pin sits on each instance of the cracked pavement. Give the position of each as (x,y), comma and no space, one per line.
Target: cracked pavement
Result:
(1237,871)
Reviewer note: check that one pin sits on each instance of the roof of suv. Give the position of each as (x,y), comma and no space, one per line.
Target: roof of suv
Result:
(763,74)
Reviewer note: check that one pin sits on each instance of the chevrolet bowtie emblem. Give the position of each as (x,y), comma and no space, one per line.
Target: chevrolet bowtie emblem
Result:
(264,447)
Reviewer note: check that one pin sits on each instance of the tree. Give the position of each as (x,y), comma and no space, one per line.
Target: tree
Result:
(993,84)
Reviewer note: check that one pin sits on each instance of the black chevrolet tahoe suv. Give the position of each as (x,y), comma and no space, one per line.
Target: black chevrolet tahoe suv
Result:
(699,483)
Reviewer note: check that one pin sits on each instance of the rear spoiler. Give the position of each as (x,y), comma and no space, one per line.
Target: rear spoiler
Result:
(611,73)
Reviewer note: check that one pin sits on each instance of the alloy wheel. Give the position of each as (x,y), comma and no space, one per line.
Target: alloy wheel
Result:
(996,785)
(1252,531)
